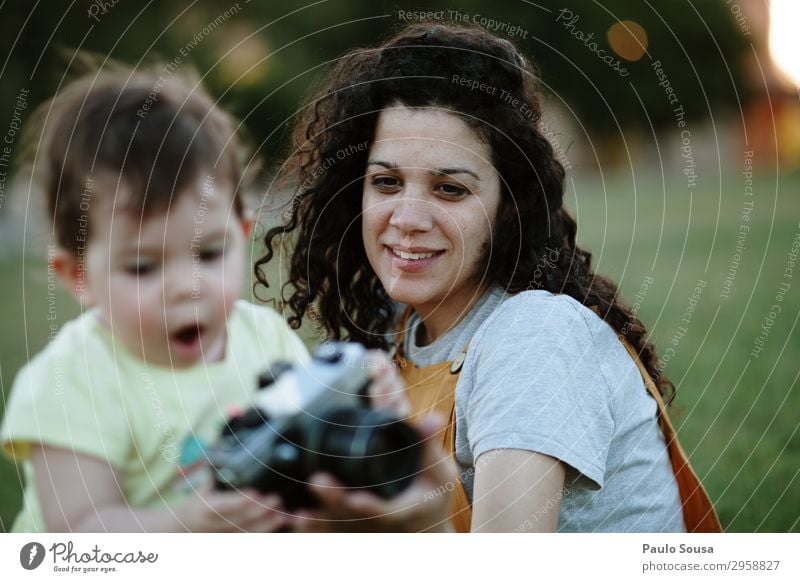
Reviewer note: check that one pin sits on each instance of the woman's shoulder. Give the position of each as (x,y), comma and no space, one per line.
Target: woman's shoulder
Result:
(535,325)
(531,313)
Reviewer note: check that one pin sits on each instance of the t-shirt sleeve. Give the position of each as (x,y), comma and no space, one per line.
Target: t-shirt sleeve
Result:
(276,340)
(294,344)
(537,386)
(67,399)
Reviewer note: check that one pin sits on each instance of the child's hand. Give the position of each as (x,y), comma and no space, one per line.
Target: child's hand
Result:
(232,511)
(88,499)
(388,391)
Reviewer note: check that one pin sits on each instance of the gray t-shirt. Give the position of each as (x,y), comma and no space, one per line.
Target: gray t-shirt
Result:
(544,373)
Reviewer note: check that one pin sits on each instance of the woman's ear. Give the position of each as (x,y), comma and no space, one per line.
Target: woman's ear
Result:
(72,273)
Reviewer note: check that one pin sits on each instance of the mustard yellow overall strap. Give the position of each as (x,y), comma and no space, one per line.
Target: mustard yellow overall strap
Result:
(699,514)
(432,388)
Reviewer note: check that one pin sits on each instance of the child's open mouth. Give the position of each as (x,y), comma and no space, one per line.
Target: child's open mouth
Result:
(185,342)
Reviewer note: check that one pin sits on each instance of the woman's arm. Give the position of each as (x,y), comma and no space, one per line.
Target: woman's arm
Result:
(79,493)
(516,490)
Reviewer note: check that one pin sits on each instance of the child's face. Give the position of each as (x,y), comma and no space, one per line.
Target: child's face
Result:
(165,286)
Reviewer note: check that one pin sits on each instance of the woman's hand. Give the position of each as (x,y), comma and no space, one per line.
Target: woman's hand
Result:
(232,511)
(387,391)
(424,506)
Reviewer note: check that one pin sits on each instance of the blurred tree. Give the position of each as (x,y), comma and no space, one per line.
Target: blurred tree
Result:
(263,57)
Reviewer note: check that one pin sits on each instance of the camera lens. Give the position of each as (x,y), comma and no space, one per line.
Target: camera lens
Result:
(366,448)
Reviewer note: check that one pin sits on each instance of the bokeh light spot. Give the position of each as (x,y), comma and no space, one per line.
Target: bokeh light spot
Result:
(628,39)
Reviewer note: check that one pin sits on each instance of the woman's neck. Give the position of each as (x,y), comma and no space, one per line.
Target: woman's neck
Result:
(440,318)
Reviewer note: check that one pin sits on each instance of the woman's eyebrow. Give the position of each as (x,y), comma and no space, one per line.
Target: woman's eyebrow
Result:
(436,172)
(387,165)
(451,171)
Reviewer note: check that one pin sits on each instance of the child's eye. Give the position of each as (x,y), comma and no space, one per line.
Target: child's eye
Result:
(452,191)
(386,184)
(208,255)
(140,269)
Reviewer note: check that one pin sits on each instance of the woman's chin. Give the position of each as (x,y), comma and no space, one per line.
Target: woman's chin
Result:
(409,294)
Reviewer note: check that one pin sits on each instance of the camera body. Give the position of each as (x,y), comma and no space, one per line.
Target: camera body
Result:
(316,416)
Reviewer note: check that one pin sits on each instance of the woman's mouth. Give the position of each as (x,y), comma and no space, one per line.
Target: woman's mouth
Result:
(412,256)
(412,260)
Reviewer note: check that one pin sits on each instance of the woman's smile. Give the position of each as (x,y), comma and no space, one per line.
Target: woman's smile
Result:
(412,260)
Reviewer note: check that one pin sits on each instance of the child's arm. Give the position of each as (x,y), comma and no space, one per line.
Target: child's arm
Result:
(81,493)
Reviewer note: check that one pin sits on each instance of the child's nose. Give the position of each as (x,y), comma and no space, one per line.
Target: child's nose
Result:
(183,282)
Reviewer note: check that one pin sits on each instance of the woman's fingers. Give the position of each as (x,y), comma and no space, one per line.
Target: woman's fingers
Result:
(328,490)
(309,522)
(343,503)
(242,511)
(387,389)
(424,505)
(431,425)
(415,509)
(341,509)
(262,513)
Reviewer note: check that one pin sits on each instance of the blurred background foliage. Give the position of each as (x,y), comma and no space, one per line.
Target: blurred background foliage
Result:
(263,60)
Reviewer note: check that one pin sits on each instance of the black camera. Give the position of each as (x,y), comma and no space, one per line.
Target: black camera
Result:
(316,416)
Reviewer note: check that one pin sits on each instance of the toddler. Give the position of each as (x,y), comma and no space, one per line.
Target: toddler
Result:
(142,178)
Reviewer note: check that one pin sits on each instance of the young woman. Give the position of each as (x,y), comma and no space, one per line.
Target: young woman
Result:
(426,182)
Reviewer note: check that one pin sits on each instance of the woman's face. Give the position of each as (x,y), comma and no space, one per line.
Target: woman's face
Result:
(430,201)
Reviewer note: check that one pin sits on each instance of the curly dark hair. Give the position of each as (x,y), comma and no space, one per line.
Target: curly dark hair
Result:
(533,242)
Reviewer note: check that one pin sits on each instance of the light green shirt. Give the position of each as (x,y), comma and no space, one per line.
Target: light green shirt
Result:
(85,392)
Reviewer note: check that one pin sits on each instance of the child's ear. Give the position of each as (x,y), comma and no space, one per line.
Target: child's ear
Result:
(72,274)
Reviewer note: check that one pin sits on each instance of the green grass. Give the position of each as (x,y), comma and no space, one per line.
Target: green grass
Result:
(737,415)
(25,292)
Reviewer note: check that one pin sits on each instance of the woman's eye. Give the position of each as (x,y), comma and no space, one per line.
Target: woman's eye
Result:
(140,269)
(386,184)
(452,190)
(209,255)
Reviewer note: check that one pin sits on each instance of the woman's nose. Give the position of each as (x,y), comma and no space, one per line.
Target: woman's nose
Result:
(412,213)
